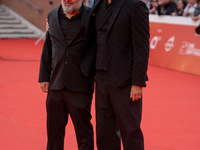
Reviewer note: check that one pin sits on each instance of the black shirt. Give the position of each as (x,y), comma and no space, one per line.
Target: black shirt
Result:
(70,26)
(103,15)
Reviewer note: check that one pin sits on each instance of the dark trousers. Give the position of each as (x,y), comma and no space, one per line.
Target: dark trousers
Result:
(114,106)
(59,105)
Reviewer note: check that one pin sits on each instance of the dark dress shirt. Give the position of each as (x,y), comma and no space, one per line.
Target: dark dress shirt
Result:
(102,21)
(69,26)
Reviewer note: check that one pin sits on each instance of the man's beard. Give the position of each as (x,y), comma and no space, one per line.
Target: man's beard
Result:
(72,8)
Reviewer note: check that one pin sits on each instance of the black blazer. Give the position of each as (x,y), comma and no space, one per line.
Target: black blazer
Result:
(127,42)
(63,64)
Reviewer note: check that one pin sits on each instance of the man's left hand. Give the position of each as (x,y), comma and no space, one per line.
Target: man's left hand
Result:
(136,92)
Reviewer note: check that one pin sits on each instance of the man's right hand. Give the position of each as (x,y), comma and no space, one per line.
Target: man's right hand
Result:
(44,86)
(47,25)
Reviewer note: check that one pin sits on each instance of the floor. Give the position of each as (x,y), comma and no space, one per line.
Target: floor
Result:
(171,104)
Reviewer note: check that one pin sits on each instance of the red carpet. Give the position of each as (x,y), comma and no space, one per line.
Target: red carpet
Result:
(171,105)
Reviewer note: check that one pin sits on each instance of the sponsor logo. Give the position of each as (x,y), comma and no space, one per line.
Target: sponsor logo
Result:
(169,44)
(154,41)
(189,49)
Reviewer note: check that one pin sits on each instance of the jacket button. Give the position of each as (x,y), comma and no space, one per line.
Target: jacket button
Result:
(99,32)
(65,62)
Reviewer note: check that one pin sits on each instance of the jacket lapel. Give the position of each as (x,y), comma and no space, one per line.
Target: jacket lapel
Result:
(108,13)
(116,10)
(91,14)
(58,26)
(96,4)
(85,13)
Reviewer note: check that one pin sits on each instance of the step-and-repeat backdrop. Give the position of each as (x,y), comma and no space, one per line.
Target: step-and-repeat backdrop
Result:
(174,43)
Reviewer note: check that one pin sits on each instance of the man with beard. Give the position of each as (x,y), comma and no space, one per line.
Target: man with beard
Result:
(122,36)
(66,74)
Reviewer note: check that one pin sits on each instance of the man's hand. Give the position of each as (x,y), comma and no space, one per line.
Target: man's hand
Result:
(195,18)
(47,25)
(184,14)
(44,86)
(136,92)
(154,4)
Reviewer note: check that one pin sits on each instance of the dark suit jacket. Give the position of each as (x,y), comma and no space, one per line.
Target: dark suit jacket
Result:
(62,64)
(127,42)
